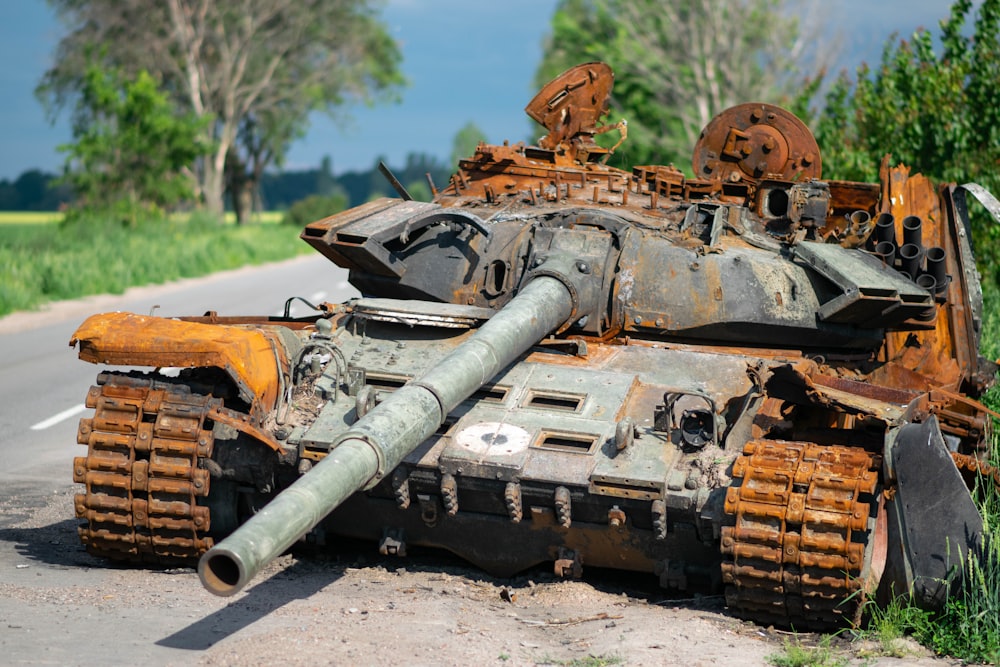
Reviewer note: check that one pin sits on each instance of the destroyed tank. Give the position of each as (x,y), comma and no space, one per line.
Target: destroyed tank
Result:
(751,380)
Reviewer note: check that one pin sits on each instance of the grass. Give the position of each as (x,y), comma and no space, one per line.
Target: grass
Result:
(969,626)
(796,653)
(49,262)
(263,217)
(889,625)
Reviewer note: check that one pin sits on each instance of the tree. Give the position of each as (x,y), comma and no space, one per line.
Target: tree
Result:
(33,190)
(256,68)
(677,64)
(938,112)
(130,152)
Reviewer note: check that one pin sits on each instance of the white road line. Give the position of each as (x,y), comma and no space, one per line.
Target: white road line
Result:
(62,416)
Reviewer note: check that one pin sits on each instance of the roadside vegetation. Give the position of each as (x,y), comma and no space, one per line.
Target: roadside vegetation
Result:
(968,628)
(46,261)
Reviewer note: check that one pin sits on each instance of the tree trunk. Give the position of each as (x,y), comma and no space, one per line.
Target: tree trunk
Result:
(213,188)
(240,186)
(242,196)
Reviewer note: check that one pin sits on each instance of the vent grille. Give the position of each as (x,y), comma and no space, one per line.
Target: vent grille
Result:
(555,401)
(580,443)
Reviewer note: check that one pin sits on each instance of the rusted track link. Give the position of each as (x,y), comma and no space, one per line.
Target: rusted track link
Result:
(970,466)
(799,517)
(141,471)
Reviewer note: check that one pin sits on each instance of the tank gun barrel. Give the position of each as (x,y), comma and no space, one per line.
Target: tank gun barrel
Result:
(380,440)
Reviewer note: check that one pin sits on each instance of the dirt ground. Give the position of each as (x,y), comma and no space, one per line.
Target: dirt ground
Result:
(349,606)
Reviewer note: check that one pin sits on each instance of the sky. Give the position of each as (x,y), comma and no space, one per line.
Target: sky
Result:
(466,61)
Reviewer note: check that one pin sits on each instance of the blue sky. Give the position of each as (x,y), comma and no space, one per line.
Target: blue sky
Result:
(466,60)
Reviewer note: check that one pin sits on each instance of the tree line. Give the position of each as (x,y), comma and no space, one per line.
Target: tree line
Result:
(34,190)
(37,190)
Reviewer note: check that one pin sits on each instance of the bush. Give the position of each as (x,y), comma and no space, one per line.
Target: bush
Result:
(313,208)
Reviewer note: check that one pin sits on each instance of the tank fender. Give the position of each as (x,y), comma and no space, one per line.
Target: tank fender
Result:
(932,518)
(251,357)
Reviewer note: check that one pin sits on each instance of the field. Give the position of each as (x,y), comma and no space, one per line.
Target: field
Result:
(42,217)
(44,260)
(29,217)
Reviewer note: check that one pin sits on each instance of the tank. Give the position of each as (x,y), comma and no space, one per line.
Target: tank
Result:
(750,380)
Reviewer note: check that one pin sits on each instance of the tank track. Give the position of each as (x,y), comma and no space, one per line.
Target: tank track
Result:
(971,466)
(799,521)
(141,470)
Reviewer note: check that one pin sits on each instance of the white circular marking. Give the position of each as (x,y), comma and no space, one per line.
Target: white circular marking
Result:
(493,439)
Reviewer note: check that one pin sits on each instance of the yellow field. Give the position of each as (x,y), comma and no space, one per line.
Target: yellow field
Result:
(29,217)
(45,217)
(266,217)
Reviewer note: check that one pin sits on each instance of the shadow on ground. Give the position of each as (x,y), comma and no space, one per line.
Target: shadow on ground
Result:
(297,582)
(56,544)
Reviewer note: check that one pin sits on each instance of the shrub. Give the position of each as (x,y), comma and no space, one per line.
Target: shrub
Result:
(313,208)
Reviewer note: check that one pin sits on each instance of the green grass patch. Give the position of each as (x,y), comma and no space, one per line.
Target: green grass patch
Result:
(796,653)
(42,263)
(990,337)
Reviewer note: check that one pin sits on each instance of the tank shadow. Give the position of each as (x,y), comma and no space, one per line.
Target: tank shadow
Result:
(55,544)
(299,581)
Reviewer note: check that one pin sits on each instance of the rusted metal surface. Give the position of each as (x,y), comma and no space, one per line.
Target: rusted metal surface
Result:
(973,468)
(250,357)
(570,108)
(755,141)
(799,543)
(141,475)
